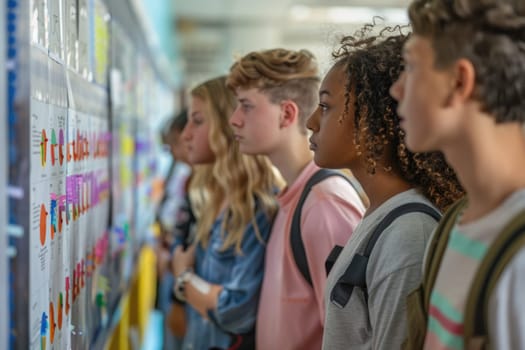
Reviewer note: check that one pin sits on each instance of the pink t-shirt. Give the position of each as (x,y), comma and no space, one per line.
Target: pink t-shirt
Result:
(291,312)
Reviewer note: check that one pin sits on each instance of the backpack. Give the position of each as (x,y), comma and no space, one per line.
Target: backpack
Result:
(355,273)
(296,240)
(247,341)
(509,242)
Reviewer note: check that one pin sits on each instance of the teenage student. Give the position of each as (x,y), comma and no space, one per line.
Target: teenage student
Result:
(172,208)
(276,91)
(356,126)
(462,93)
(220,275)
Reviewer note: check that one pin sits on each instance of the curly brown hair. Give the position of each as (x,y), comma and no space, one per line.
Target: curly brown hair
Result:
(372,64)
(282,75)
(491,35)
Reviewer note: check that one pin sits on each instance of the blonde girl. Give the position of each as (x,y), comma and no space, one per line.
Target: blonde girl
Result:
(232,195)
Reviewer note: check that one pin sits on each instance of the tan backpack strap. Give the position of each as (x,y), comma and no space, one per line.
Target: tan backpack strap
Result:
(437,247)
(508,243)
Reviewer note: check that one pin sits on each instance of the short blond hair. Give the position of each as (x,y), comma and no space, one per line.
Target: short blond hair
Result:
(282,75)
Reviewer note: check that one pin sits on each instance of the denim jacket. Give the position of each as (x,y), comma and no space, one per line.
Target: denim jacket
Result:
(240,276)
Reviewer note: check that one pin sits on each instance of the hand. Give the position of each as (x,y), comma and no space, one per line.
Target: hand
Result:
(163,260)
(182,260)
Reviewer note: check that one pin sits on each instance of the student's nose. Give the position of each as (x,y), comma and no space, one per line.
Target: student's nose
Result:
(312,123)
(236,119)
(186,132)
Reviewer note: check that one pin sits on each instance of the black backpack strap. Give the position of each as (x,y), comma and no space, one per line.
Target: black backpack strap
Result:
(332,257)
(393,215)
(355,273)
(509,242)
(296,240)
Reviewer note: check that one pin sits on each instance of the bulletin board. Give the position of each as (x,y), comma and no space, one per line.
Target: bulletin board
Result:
(81,155)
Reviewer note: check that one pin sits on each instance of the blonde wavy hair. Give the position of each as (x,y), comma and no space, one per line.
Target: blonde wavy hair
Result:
(282,75)
(244,182)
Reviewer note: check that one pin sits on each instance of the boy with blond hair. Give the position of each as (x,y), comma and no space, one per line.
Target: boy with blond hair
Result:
(276,92)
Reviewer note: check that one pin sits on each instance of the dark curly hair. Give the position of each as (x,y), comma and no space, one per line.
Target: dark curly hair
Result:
(372,64)
(491,35)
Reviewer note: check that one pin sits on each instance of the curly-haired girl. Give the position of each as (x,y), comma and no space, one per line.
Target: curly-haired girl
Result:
(356,126)
(233,198)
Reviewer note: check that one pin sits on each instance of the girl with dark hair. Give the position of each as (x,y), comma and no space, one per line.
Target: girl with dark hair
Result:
(356,126)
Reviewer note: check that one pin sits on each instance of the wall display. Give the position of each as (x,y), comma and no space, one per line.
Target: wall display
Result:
(123,96)
(69,203)
(79,172)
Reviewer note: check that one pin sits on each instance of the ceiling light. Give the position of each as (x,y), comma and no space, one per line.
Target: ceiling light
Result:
(347,14)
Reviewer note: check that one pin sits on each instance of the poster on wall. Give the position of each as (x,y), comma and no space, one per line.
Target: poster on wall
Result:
(68,204)
(49,296)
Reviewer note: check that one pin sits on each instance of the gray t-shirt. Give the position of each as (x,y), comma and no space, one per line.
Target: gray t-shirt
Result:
(394,270)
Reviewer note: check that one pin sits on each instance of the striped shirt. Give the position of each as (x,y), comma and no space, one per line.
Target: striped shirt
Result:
(466,248)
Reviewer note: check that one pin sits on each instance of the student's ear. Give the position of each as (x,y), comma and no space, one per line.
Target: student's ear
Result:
(289,113)
(464,76)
